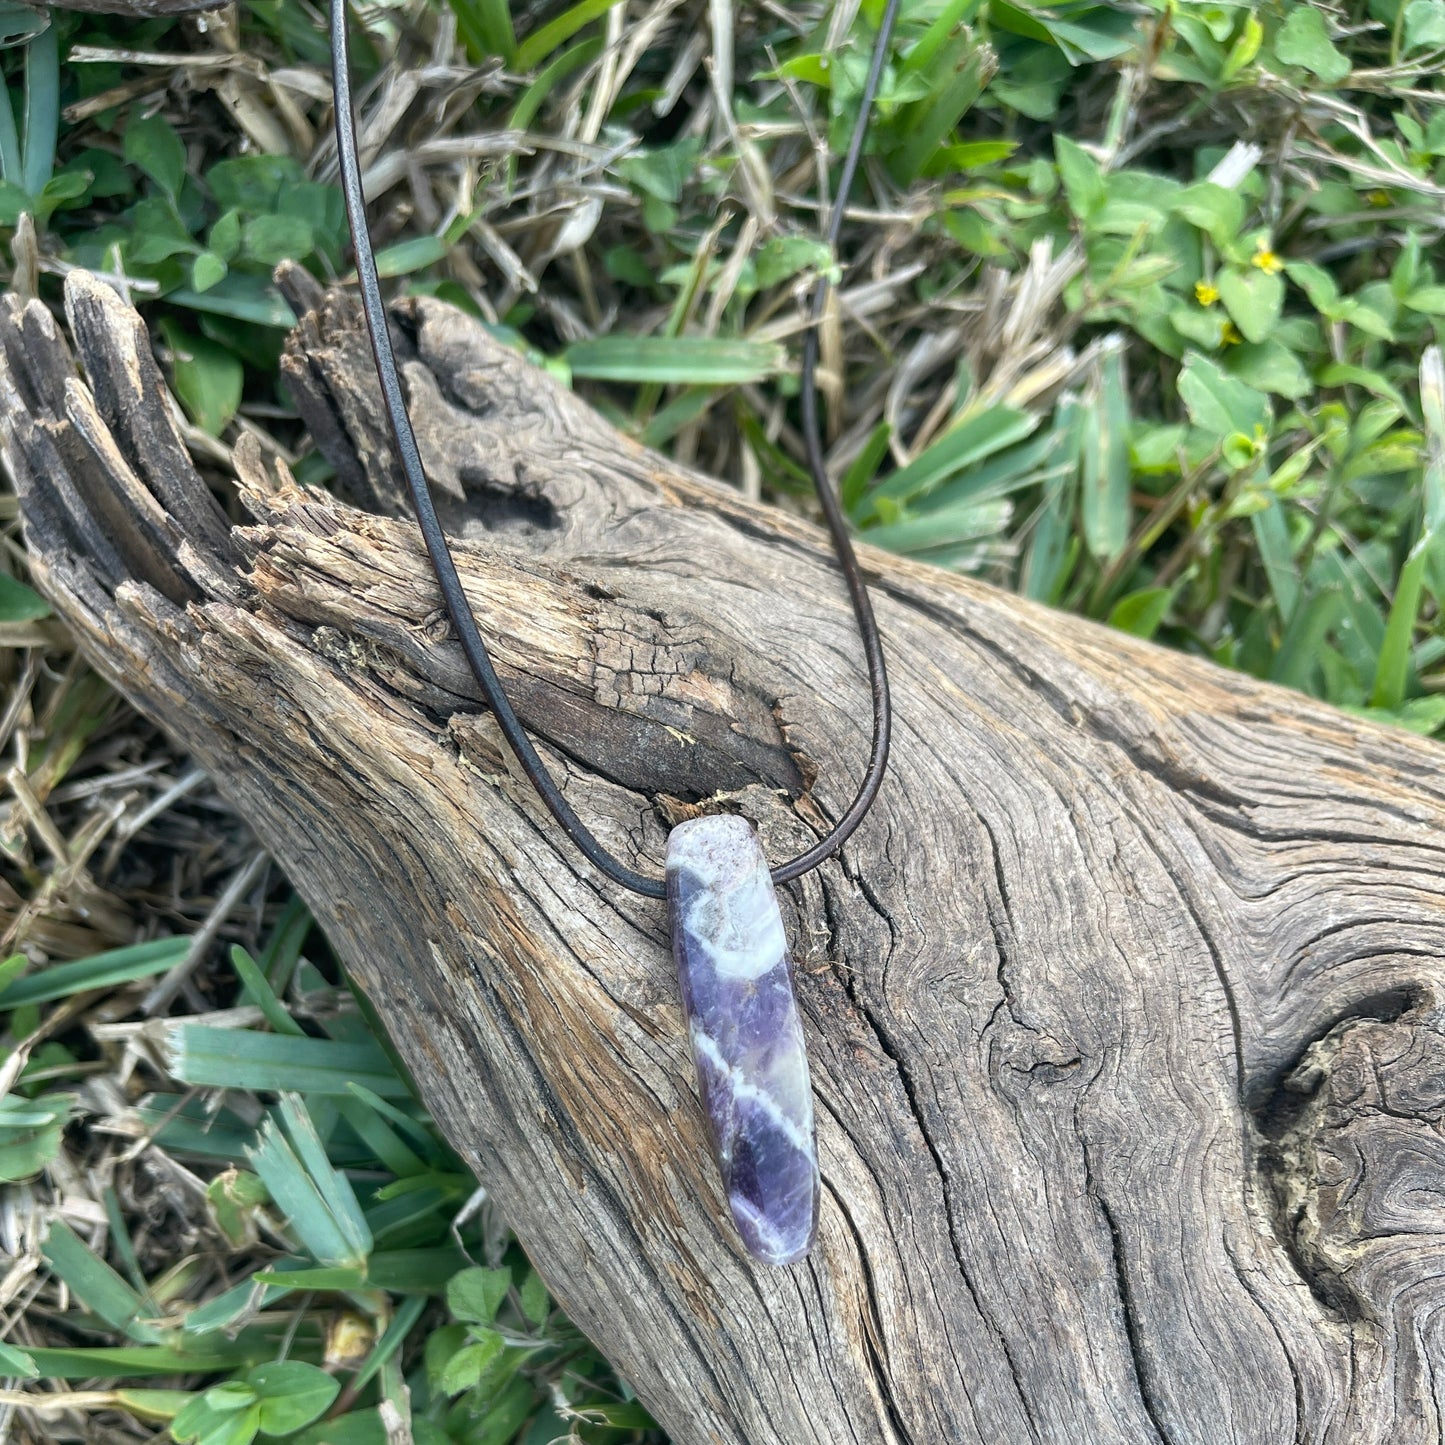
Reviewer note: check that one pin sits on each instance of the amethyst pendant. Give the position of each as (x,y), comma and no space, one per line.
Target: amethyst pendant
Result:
(747,1042)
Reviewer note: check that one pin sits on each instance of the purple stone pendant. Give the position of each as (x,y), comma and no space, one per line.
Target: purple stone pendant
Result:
(747,1042)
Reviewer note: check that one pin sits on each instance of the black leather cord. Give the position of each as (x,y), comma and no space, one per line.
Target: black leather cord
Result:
(445,567)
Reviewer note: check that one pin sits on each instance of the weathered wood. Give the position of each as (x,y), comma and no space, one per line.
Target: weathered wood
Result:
(139,9)
(1125,1005)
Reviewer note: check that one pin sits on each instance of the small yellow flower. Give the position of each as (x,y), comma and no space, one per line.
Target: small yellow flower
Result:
(1267,261)
(1205,294)
(1229,335)
(1378,197)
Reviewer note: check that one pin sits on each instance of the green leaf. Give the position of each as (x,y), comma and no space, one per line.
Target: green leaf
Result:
(1083,181)
(536,1304)
(229,1396)
(207,378)
(1218,403)
(291,1394)
(365,1427)
(331,1277)
(854,486)
(247,298)
(206,1423)
(1140,613)
(19,604)
(207,270)
(152,145)
(1299,651)
(1424,24)
(31,1132)
(1429,300)
(1303,40)
(928,123)
(465,1367)
(1269,366)
(475,1295)
(785,256)
(234,1196)
(10,165)
(252,184)
(1253,298)
(1218,212)
(225,239)
(680,360)
(663,171)
(271,239)
(1271,534)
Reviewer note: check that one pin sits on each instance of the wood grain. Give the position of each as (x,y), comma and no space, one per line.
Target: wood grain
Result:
(139,9)
(1125,1005)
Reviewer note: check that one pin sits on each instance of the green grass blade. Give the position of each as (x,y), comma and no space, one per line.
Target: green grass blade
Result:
(1432,404)
(103,970)
(553,73)
(967,443)
(421,1140)
(1392,673)
(853,489)
(318,1202)
(227,1307)
(402,1322)
(541,43)
(1104,476)
(486,28)
(241,1059)
(335,1190)
(675,360)
(256,990)
(415,1271)
(928,123)
(18,1363)
(85,1364)
(380,1138)
(334,1277)
(11,167)
(42,109)
(966,522)
(1298,655)
(95,1284)
(1271,536)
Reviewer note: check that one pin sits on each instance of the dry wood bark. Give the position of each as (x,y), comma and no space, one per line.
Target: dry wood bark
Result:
(1125,1006)
(139,9)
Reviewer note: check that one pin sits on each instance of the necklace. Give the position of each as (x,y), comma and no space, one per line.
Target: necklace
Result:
(734,971)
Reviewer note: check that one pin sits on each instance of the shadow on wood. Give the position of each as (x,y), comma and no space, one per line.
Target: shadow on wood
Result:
(1124,1005)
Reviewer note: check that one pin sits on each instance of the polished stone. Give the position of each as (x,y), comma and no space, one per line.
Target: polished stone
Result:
(737,991)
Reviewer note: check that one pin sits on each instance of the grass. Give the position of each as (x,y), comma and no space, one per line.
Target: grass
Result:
(1140,316)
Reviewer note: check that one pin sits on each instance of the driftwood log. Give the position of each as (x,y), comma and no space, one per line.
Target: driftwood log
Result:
(1125,1005)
